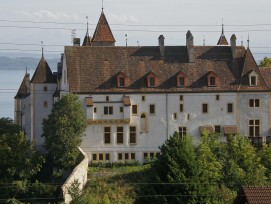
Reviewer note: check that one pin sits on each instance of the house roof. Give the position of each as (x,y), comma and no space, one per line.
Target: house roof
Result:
(103,32)
(222,40)
(266,74)
(43,73)
(254,195)
(87,40)
(24,89)
(94,69)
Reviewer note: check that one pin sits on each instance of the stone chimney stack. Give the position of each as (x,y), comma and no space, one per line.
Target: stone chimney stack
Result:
(76,41)
(190,46)
(161,41)
(233,46)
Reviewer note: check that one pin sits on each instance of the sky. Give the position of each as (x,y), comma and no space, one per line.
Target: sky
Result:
(142,20)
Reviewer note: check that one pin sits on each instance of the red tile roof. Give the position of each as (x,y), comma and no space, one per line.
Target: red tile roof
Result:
(43,73)
(222,40)
(94,69)
(103,32)
(254,195)
(24,89)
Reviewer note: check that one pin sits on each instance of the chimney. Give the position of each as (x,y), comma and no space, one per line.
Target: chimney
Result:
(161,43)
(233,46)
(76,41)
(190,46)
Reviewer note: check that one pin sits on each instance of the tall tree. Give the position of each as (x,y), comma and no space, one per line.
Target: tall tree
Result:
(63,131)
(266,62)
(7,126)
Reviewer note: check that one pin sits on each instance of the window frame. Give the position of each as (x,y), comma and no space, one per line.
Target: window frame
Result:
(108,110)
(152,110)
(106,135)
(254,103)
(132,135)
(205,106)
(230,108)
(120,135)
(254,126)
(136,108)
(182,131)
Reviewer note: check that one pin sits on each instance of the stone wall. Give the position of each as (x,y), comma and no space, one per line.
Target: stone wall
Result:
(79,174)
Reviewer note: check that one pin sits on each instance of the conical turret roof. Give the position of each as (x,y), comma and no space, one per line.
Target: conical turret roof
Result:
(103,32)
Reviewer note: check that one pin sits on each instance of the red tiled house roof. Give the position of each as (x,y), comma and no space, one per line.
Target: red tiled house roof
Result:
(254,195)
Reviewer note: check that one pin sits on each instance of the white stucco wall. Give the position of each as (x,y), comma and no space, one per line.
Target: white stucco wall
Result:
(262,113)
(160,125)
(39,112)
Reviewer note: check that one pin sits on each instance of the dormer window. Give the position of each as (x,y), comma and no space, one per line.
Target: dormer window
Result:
(253,78)
(212,79)
(151,80)
(181,79)
(253,81)
(121,80)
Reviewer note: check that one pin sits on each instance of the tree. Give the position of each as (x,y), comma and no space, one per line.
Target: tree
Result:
(18,158)
(190,175)
(63,131)
(266,62)
(241,164)
(7,126)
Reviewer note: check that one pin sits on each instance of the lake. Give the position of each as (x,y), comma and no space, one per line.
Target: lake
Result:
(10,81)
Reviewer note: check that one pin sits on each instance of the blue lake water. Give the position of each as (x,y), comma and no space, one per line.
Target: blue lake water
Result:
(10,81)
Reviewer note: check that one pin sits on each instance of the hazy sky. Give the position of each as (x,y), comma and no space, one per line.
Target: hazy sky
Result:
(172,18)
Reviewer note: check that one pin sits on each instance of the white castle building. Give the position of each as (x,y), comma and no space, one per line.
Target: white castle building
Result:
(135,97)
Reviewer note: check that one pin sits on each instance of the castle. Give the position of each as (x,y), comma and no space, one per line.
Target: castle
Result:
(135,97)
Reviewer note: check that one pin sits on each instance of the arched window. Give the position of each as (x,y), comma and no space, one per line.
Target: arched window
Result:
(143,122)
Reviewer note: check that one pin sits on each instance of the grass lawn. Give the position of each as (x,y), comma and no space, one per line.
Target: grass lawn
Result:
(114,184)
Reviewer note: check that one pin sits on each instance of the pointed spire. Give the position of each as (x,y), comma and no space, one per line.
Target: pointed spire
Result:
(248,41)
(26,70)
(87,39)
(222,40)
(102,5)
(126,39)
(42,49)
(103,35)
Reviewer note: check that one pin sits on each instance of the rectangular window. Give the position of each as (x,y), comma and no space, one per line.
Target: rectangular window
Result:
(133,156)
(217,129)
(119,135)
(107,156)
(45,88)
(254,103)
(107,135)
(108,110)
(119,156)
(212,81)
(230,108)
(181,97)
(152,81)
(126,156)
(94,157)
(151,155)
(122,82)
(181,81)
(95,110)
(205,108)
(182,131)
(152,109)
(181,107)
(145,155)
(175,116)
(107,98)
(143,98)
(217,97)
(121,109)
(254,128)
(45,104)
(132,135)
(134,109)
(253,81)
(101,157)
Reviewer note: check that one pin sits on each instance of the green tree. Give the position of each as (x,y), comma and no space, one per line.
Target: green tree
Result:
(63,131)
(7,126)
(18,158)
(190,175)
(265,157)
(266,62)
(241,164)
